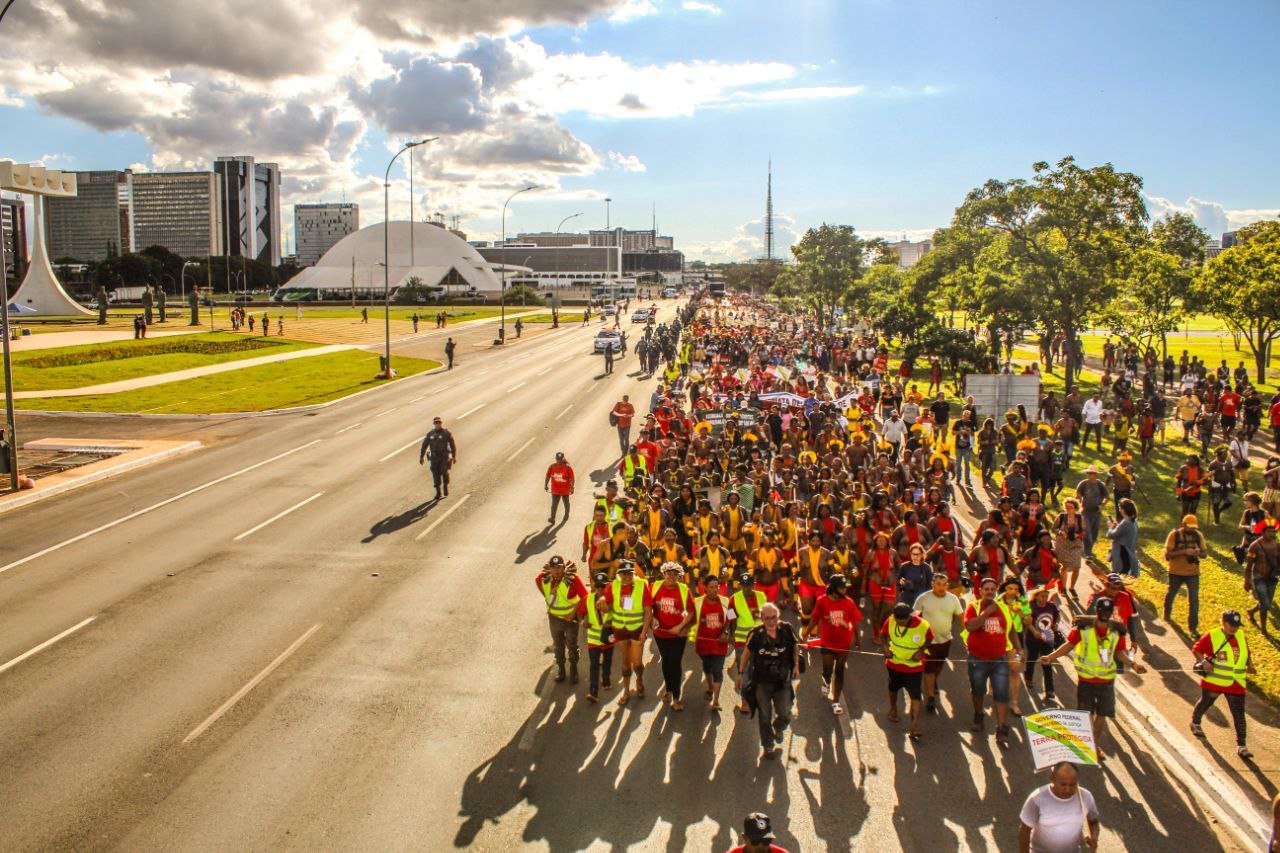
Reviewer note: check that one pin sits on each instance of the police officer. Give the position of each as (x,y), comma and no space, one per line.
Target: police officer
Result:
(443,451)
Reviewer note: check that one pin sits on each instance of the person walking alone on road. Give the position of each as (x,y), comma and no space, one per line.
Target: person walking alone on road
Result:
(1222,660)
(608,358)
(559,482)
(566,599)
(673,613)
(622,413)
(772,661)
(1058,816)
(364,317)
(415,322)
(449,347)
(629,602)
(440,446)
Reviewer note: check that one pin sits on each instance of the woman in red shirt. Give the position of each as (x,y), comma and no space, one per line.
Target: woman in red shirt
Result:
(672,615)
(712,636)
(881,571)
(835,619)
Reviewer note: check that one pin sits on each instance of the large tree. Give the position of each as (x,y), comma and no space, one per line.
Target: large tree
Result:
(829,262)
(1154,288)
(1068,231)
(1241,286)
(1178,234)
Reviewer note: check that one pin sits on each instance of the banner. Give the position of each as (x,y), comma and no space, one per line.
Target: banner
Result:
(719,417)
(1059,735)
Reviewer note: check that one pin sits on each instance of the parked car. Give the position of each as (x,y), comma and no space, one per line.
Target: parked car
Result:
(608,337)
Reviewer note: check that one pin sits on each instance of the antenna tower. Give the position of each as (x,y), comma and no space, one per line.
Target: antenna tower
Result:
(768,215)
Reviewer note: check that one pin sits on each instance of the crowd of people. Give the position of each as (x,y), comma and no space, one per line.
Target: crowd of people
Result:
(786,495)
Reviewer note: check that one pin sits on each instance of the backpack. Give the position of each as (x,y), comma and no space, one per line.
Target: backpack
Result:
(613,418)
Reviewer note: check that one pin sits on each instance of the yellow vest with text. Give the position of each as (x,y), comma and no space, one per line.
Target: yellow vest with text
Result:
(633,618)
(1089,658)
(1235,668)
(903,647)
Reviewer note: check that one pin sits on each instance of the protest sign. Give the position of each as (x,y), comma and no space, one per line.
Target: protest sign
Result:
(1059,735)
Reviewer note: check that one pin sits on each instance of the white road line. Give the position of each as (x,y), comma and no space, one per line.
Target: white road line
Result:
(417,398)
(400,449)
(253,682)
(387,412)
(277,517)
(567,357)
(565,412)
(345,429)
(543,372)
(131,516)
(514,387)
(46,644)
(450,511)
(471,411)
(519,450)
(483,372)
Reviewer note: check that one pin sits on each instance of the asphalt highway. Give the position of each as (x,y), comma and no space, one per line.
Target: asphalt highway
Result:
(280,641)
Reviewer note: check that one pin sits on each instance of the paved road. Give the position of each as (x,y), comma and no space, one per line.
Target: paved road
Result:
(370,669)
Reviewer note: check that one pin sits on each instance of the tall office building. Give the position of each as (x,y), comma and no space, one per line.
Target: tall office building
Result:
(318,227)
(178,210)
(250,208)
(13,233)
(96,223)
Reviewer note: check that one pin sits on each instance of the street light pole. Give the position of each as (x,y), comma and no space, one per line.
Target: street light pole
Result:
(386,251)
(184,277)
(557,257)
(11,443)
(502,324)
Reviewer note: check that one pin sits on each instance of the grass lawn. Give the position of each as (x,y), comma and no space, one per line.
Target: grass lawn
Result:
(426,313)
(93,364)
(299,382)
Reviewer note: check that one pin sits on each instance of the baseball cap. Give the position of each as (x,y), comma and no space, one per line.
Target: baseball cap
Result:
(747,578)
(838,581)
(1232,618)
(757,827)
(901,610)
(1104,605)
(1115,578)
(437,420)
(556,561)
(559,455)
(601,578)
(1190,521)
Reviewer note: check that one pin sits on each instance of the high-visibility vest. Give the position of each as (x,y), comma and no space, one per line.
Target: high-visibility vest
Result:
(559,604)
(632,619)
(629,466)
(612,514)
(1234,669)
(1008,622)
(1088,655)
(745,621)
(904,644)
(697,613)
(595,622)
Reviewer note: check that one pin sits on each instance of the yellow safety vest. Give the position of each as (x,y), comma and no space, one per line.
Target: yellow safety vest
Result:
(745,621)
(595,623)
(1089,658)
(559,604)
(904,644)
(1008,621)
(697,613)
(613,514)
(633,618)
(629,467)
(1235,668)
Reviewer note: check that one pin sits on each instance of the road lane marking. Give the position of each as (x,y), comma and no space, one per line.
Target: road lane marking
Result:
(519,450)
(567,357)
(400,450)
(417,398)
(565,412)
(514,387)
(483,372)
(450,511)
(387,412)
(277,517)
(253,682)
(46,644)
(470,411)
(345,429)
(131,516)
(543,372)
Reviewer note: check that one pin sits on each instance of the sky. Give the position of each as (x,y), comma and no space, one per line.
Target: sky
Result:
(881,114)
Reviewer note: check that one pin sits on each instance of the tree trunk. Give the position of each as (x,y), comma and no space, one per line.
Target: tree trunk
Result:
(1070,359)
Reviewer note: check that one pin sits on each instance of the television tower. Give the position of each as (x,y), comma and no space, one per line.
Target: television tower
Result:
(768,215)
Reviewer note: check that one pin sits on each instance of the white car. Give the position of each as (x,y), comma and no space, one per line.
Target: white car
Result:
(608,337)
(669,293)
(641,315)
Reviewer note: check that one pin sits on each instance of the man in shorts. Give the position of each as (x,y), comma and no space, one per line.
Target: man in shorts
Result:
(940,607)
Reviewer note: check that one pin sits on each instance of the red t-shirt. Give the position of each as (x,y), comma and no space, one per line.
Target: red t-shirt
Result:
(561,476)
(1074,637)
(624,411)
(1229,404)
(989,642)
(1125,606)
(773,848)
(711,624)
(836,620)
(669,609)
(1206,648)
(891,624)
(649,451)
(1274,412)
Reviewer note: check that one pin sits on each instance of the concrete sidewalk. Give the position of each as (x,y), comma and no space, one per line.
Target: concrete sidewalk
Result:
(180,375)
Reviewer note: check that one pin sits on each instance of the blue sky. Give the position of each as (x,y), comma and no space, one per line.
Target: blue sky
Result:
(878,114)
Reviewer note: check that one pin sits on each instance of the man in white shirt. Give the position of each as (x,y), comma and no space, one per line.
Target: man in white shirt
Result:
(1058,816)
(940,608)
(894,431)
(1091,412)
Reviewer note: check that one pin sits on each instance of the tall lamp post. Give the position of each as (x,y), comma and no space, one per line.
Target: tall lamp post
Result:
(502,325)
(386,251)
(184,277)
(558,227)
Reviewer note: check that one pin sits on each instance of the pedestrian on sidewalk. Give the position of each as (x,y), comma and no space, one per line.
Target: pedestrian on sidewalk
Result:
(1223,663)
(1184,548)
(449,347)
(559,482)
(1058,816)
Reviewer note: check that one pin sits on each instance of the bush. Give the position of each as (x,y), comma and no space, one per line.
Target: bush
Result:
(122,351)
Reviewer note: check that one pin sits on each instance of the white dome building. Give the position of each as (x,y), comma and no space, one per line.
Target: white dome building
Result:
(439,258)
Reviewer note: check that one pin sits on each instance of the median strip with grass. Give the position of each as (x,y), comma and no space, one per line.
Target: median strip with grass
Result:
(300,382)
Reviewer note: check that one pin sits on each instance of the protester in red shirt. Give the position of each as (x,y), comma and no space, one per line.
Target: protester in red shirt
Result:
(835,618)
(622,413)
(712,638)
(672,614)
(559,482)
(906,637)
(757,835)
(987,637)
(630,641)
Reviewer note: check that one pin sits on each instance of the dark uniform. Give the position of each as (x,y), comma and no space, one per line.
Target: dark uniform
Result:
(439,445)
(449,347)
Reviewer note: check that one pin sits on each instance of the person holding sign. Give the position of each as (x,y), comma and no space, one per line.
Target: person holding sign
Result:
(1057,816)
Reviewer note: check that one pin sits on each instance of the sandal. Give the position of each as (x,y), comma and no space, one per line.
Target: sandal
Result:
(715,706)
(914,735)
(894,718)
(676,705)
(625,697)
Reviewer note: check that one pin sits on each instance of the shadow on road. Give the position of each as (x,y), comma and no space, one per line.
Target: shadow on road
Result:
(392,523)
(534,544)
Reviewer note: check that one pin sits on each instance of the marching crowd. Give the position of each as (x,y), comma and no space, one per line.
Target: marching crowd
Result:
(785,496)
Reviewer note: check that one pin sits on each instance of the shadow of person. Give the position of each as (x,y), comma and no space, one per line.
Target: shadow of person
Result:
(392,523)
(535,543)
(600,476)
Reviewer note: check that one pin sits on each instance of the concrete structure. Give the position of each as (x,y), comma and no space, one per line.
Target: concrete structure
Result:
(630,241)
(443,262)
(95,224)
(41,290)
(13,234)
(178,210)
(317,228)
(1212,249)
(250,207)
(909,253)
(587,260)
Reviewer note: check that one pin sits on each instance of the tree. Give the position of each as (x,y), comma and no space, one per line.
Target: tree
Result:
(756,278)
(130,270)
(168,264)
(1151,302)
(524,294)
(1178,234)
(1069,230)
(829,261)
(1241,286)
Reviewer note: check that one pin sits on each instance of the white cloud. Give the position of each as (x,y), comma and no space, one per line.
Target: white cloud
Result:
(1212,216)
(699,6)
(893,235)
(626,162)
(630,9)
(747,242)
